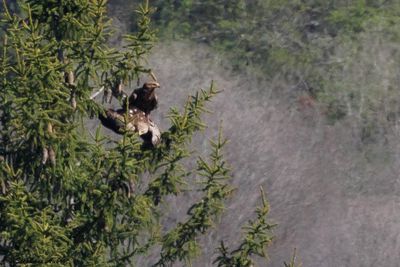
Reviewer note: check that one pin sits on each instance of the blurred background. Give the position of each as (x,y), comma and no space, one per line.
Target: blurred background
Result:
(310,104)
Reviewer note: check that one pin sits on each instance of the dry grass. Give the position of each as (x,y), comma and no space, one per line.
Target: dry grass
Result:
(332,195)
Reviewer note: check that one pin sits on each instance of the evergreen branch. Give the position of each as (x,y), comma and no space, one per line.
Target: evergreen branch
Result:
(258,237)
(184,125)
(88,208)
(173,149)
(292,262)
(180,242)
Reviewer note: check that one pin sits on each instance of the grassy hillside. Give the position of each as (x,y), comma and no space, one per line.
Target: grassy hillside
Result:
(297,65)
(342,54)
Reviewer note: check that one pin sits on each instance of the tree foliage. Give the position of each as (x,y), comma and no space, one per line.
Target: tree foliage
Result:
(258,236)
(72,198)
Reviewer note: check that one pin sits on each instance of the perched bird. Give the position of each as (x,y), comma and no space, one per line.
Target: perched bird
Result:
(144,98)
(134,117)
(132,120)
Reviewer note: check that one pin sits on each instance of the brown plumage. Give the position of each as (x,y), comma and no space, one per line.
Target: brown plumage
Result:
(133,120)
(134,117)
(144,98)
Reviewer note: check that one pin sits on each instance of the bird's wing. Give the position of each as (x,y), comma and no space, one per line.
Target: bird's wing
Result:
(112,120)
(156,134)
(142,127)
(112,114)
(137,122)
(132,97)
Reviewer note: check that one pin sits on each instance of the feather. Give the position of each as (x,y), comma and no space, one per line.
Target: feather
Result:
(135,116)
(120,121)
(144,98)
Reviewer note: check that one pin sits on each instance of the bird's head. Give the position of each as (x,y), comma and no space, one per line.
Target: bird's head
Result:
(151,85)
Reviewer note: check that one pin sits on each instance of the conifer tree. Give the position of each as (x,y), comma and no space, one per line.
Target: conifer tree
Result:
(69,198)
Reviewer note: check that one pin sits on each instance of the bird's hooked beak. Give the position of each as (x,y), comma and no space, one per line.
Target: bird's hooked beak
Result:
(152,85)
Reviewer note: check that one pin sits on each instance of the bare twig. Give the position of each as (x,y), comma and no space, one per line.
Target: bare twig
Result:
(93,96)
(153,76)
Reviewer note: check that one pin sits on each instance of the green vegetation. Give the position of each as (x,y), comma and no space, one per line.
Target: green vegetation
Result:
(69,197)
(344,54)
(72,198)
(265,31)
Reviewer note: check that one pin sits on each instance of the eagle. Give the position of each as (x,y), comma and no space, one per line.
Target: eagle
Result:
(135,116)
(133,120)
(144,98)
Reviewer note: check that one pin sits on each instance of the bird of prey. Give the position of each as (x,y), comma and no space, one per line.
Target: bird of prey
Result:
(134,116)
(132,120)
(144,98)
